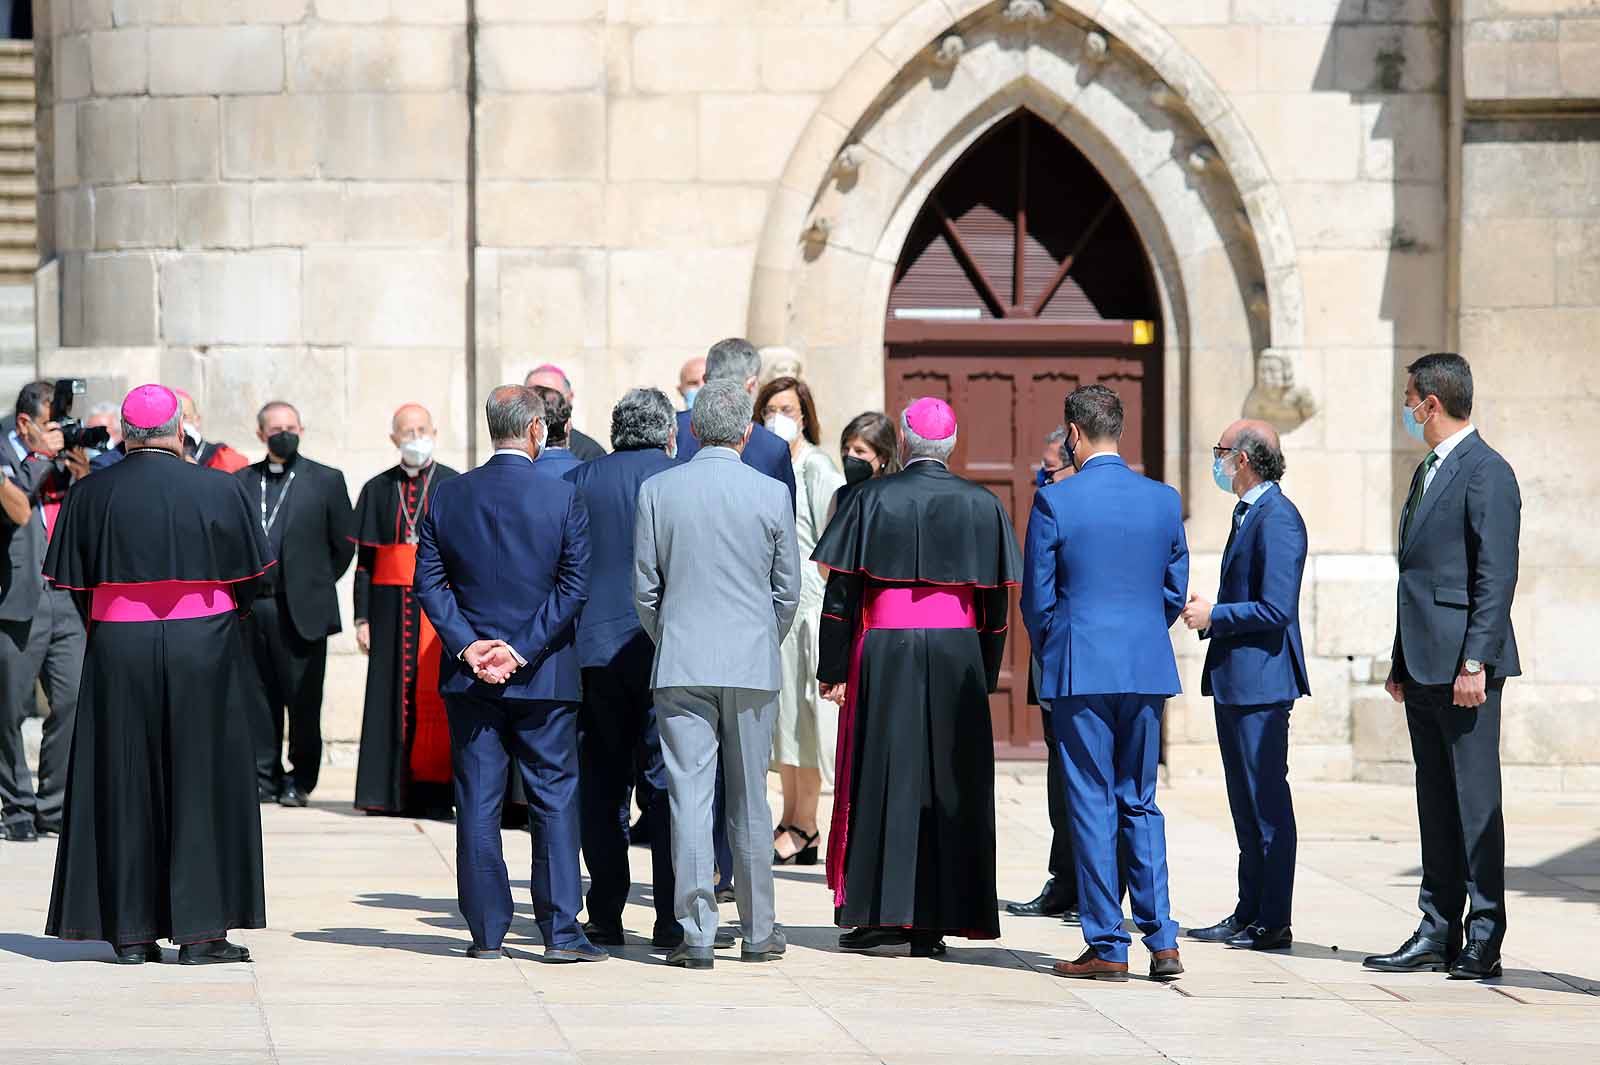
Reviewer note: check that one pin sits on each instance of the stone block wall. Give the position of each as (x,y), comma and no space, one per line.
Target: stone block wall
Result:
(270,198)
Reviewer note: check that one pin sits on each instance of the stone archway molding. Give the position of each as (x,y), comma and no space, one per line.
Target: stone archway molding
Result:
(855,100)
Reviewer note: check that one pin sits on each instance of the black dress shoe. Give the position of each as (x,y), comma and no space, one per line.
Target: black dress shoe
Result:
(687,957)
(291,795)
(725,894)
(47,828)
(216,952)
(475,951)
(1220,932)
(20,832)
(265,794)
(870,938)
(639,833)
(1048,903)
(577,952)
(603,935)
(927,945)
(724,939)
(1478,961)
(138,953)
(1071,917)
(1414,956)
(1260,937)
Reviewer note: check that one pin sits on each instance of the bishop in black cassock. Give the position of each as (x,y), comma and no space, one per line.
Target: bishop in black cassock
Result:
(405,739)
(161,835)
(913,629)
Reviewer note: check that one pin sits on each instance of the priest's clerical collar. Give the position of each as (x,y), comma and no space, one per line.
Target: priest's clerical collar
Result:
(926,458)
(275,467)
(415,471)
(142,450)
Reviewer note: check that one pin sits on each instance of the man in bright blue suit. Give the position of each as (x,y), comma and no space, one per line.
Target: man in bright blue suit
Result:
(1106,569)
(738,360)
(1255,669)
(556,459)
(503,570)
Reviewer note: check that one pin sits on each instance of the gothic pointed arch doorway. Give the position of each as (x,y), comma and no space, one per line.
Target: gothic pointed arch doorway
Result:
(1021,279)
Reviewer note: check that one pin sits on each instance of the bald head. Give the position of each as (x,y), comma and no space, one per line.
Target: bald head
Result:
(1257,455)
(691,375)
(411,422)
(550,377)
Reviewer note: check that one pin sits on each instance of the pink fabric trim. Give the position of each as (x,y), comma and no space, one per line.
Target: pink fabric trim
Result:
(161,601)
(919,608)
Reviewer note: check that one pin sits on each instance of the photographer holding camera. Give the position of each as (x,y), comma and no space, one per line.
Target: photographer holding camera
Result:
(41,634)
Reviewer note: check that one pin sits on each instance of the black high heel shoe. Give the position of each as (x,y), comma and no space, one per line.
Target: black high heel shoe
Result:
(806,855)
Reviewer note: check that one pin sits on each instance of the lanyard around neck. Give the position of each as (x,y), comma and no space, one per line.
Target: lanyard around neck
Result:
(266,519)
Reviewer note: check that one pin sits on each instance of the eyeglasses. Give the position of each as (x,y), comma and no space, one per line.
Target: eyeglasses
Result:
(1222,452)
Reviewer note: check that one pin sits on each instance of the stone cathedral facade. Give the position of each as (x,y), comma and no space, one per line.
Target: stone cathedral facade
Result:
(1219,206)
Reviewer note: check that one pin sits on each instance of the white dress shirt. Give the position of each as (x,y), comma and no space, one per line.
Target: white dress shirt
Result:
(1446,446)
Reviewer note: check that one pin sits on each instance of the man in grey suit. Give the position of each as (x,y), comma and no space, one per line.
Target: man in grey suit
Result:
(716,583)
(41,634)
(1453,650)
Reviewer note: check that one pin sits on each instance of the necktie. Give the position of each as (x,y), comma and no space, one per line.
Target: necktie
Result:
(1415,498)
(1238,520)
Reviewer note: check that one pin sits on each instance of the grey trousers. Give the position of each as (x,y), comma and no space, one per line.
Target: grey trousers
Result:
(697,726)
(48,649)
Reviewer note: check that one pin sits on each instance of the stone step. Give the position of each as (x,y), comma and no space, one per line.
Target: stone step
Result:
(18,209)
(16,112)
(16,160)
(17,90)
(19,186)
(19,261)
(16,66)
(16,304)
(16,337)
(17,234)
(18,136)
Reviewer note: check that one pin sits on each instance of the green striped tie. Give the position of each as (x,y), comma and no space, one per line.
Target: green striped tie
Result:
(1415,499)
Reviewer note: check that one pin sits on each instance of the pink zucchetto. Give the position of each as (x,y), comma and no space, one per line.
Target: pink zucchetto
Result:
(931,419)
(149,406)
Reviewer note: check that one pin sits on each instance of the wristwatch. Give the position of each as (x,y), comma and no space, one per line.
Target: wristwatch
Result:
(1472,666)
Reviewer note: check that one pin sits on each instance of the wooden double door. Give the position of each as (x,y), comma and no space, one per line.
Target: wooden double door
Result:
(1021,279)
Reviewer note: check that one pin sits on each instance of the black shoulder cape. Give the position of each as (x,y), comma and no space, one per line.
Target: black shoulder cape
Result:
(375,524)
(923,524)
(154,517)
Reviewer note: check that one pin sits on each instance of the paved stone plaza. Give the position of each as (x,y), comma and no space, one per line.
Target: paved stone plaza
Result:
(363,963)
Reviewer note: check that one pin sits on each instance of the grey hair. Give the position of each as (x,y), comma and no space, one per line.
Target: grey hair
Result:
(1265,458)
(110,408)
(734,359)
(136,436)
(921,447)
(261,415)
(1058,435)
(510,410)
(643,418)
(721,413)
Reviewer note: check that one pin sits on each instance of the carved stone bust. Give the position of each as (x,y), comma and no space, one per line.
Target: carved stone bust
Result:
(1276,398)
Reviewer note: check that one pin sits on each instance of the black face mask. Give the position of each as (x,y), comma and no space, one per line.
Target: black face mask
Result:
(856,470)
(1070,449)
(285,445)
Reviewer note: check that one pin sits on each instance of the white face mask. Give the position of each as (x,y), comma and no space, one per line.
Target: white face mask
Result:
(416,452)
(544,434)
(783,427)
(192,431)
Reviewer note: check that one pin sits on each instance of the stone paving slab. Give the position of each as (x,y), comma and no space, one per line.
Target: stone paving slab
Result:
(363,963)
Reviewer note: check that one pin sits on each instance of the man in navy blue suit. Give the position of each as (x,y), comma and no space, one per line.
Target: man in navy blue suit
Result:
(737,359)
(503,570)
(556,458)
(1255,669)
(618,735)
(1106,570)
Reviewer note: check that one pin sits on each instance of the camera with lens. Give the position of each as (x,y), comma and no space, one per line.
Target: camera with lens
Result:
(74,433)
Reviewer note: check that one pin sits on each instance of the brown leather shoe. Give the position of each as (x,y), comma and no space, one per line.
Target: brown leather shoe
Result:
(1164,965)
(1091,966)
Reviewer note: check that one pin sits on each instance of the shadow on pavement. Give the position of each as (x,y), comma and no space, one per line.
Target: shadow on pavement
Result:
(45,948)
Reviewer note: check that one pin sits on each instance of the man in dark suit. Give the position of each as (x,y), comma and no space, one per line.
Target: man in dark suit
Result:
(737,359)
(618,737)
(41,633)
(1255,669)
(1106,571)
(1453,650)
(584,448)
(305,512)
(503,571)
(557,459)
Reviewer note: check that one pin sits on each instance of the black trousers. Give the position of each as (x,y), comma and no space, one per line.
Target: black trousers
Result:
(1063,866)
(1457,755)
(618,739)
(48,648)
(291,671)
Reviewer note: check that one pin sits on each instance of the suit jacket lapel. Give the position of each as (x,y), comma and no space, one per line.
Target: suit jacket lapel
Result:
(1441,480)
(1252,519)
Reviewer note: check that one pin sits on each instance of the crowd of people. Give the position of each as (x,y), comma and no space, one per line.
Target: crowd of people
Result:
(563,631)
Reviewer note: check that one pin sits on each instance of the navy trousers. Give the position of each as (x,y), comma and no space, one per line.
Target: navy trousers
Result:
(1255,759)
(1110,745)
(618,740)
(541,737)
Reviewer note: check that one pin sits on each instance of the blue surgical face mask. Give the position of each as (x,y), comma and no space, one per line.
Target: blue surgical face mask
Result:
(1220,474)
(1045,476)
(688,398)
(1409,421)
